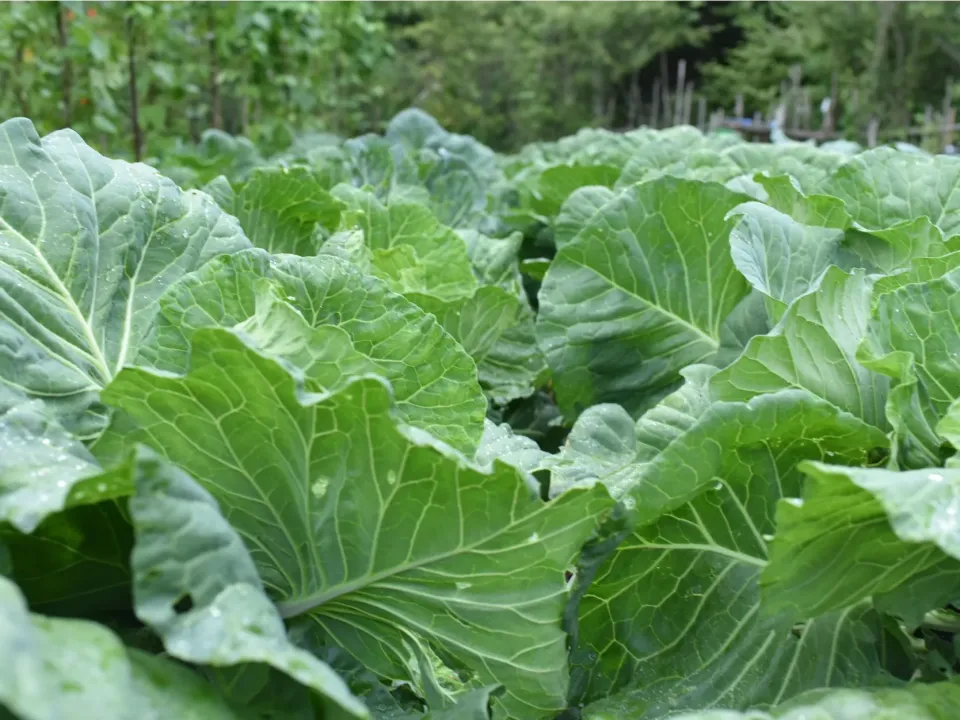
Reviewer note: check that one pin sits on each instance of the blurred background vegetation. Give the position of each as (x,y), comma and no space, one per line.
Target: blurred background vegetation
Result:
(137,78)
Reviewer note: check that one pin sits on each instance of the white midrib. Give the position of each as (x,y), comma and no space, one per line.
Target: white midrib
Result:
(69,302)
(648,302)
(294,608)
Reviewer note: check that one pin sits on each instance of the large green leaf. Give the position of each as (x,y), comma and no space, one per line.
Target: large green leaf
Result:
(280,209)
(389,542)
(805,163)
(76,562)
(908,246)
(913,338)
(68,543)
(884,187)
(780,256)
(606,445)
(496,330)
(601,446)
(325,355)
(76,670)
(433,379)
(557,183)
(577,212)
(639,294)
(861,532)
(87,247)
(39,464)
(672,617)
(814,347)
(918,320)
(784,194)
(408,232)
(653,158)
(185,549)
(499,442)
(494,260)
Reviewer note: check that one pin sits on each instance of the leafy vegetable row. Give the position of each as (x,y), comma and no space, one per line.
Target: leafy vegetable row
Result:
(295,444)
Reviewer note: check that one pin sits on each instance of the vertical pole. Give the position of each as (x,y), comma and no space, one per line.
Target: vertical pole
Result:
(872,130)
(946,137)
(678,100)
(829,122)
(688,104)
(655,111)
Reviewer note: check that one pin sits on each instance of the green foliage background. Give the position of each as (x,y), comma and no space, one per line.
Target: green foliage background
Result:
(506,73)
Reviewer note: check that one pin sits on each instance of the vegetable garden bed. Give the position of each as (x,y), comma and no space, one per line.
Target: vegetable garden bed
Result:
(632,426)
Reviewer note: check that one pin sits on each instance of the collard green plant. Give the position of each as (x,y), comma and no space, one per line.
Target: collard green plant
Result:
(636,426)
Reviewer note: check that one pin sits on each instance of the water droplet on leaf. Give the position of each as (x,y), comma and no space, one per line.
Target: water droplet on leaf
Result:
(319,487)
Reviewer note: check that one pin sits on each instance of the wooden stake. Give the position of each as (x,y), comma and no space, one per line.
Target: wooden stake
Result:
(655,112)
(687,104)
(872,129)
(678,100)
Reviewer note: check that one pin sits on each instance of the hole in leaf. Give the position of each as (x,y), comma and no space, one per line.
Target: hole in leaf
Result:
(183,605)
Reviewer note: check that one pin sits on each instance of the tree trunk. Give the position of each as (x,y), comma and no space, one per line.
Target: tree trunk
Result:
(66,67)
(132,83)
(216,111)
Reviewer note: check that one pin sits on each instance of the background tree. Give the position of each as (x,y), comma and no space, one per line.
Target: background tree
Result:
(507,73)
